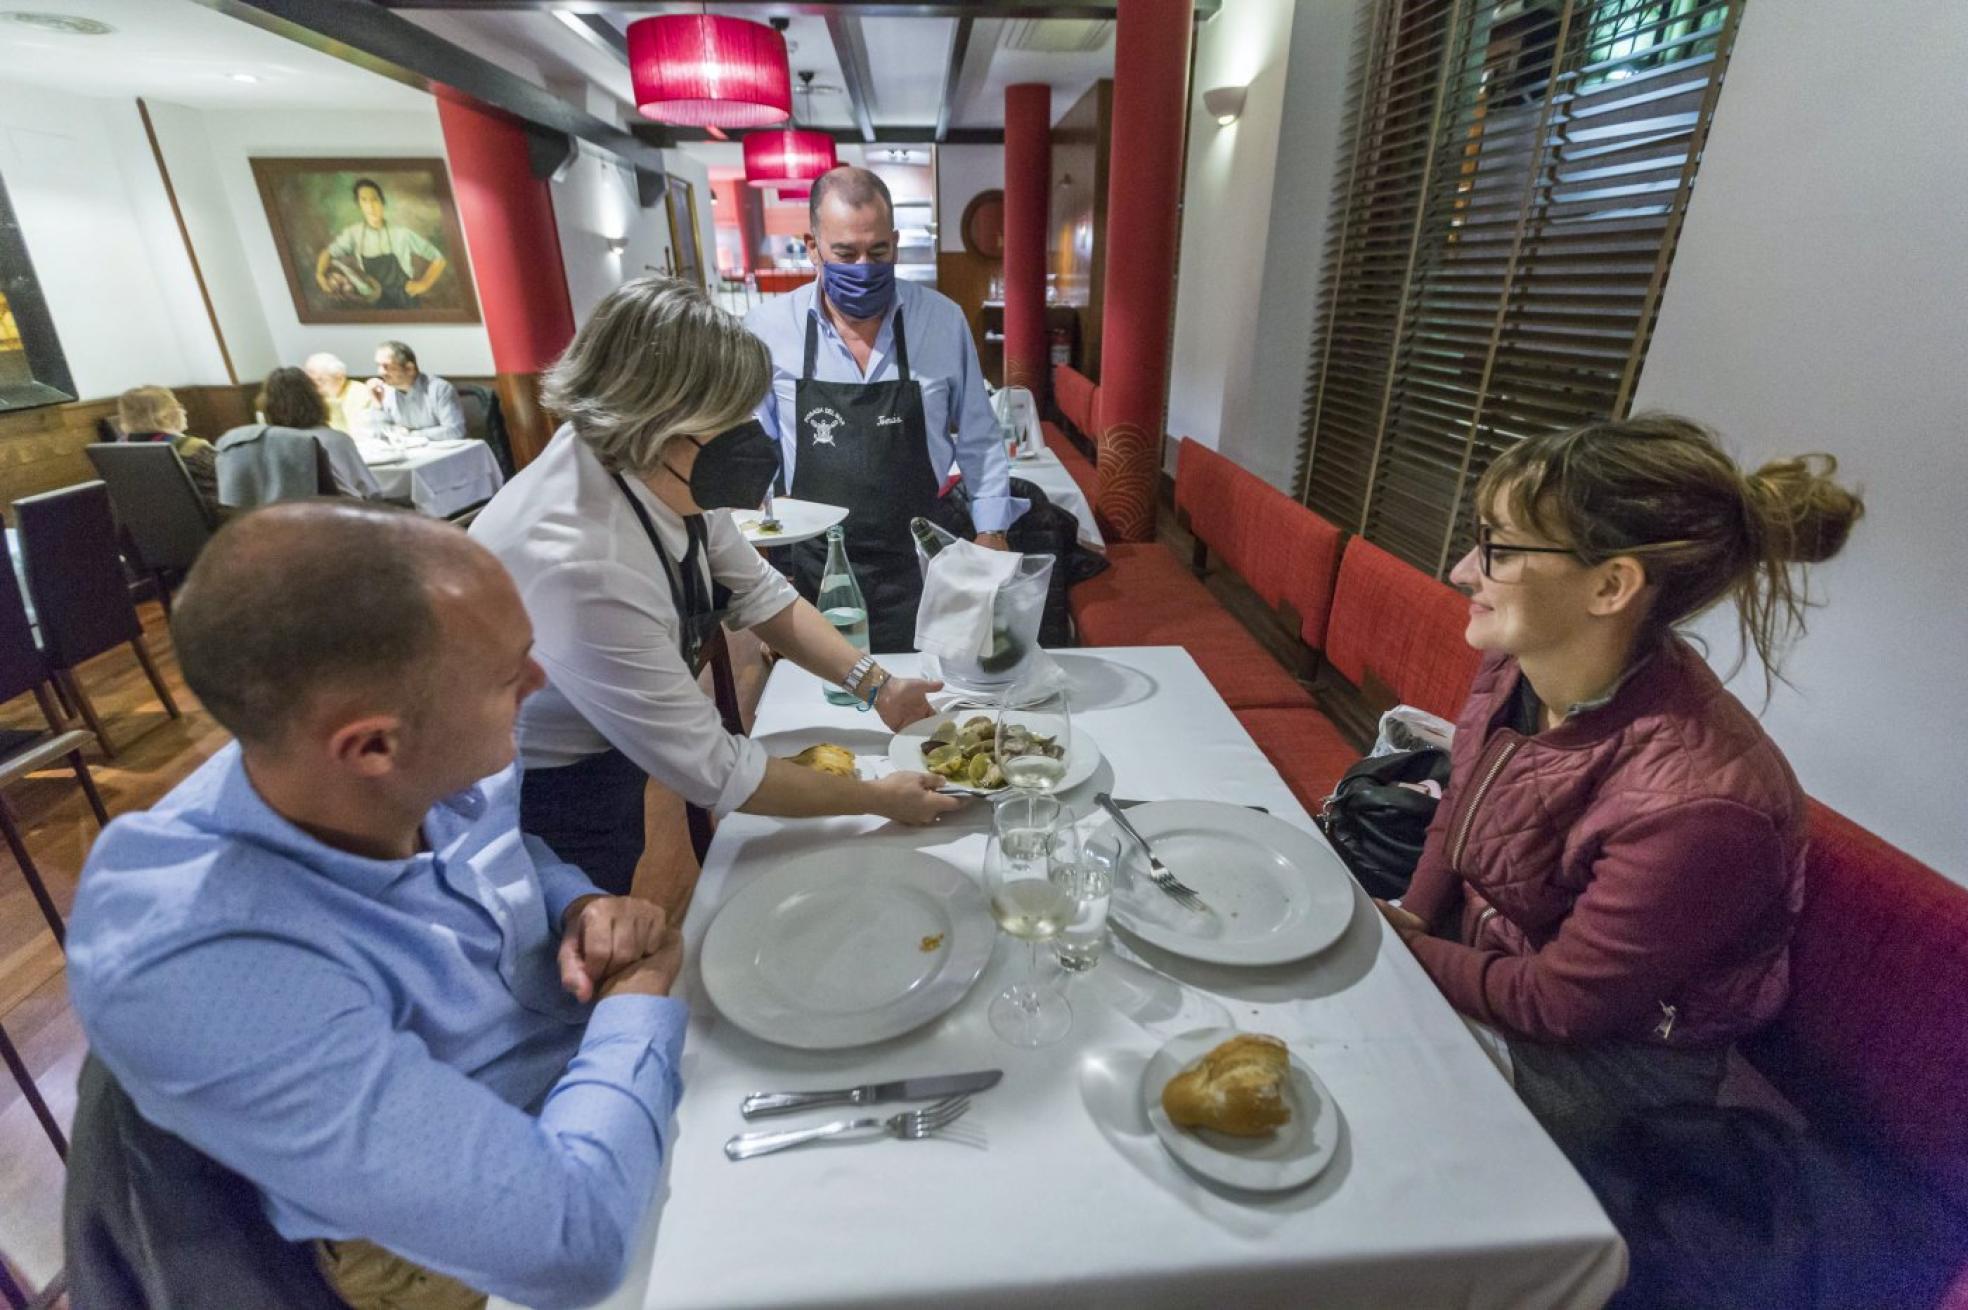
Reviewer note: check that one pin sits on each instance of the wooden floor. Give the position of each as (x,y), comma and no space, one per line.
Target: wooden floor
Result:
(154,752)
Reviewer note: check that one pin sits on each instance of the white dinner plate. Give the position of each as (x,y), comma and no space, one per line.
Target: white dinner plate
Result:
(1278,893)
(905,752)
(1291,1157)
(800,520)
(845,947)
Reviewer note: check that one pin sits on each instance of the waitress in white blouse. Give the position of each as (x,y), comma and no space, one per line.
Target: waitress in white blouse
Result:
(621,542)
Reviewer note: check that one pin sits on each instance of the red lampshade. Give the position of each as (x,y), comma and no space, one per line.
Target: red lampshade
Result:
(788,159)
(704,70)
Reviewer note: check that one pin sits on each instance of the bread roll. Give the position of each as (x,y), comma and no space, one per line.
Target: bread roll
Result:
(827,758)
(1238,1088)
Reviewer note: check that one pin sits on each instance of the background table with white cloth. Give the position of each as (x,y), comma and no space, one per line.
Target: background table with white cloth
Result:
(1445,1192)
(442,478)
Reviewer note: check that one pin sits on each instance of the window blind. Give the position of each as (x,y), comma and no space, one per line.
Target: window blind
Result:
(1514,174)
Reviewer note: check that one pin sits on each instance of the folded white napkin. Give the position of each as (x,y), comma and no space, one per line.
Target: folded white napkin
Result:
(959,587)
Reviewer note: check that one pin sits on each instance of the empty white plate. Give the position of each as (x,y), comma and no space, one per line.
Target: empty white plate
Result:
(845,947)
(799,520)
(1279,893)
(905,752)
(1292,1156)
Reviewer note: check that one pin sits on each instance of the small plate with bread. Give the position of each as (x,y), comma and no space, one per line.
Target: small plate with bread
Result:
(1241,1109)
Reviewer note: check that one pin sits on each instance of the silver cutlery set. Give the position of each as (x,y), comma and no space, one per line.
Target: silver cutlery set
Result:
(949,1092)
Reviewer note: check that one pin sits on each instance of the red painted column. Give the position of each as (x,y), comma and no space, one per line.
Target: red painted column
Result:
(1151,100)
(515,254)
(1027,195)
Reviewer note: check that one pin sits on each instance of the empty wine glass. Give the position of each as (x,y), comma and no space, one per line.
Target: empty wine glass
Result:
(1084,870)
(1031,907)
(1034,740)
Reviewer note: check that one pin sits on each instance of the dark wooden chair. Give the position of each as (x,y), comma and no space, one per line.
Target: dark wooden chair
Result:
(24,669)
(81,597)
(168,522)
(486,421)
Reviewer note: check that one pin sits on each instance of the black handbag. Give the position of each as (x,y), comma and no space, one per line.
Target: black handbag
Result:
(1379,813)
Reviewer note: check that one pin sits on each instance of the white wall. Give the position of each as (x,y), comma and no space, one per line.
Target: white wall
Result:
(1253,226)
(1817,303)
(962,172)
(208,154)
(105,247)
(595,202)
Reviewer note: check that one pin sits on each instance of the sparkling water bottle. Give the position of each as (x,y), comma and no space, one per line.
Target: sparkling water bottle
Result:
(842,605)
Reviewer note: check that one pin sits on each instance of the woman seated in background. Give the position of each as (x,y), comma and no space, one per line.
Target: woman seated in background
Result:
(154,414)
(290,403)
(1613,875)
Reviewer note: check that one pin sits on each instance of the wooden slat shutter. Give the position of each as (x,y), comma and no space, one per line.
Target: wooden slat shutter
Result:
(1514,181)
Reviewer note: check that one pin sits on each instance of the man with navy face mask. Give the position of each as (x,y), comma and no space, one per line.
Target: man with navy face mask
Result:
(876,391)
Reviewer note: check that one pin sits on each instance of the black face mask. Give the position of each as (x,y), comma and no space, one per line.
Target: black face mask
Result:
(734,469)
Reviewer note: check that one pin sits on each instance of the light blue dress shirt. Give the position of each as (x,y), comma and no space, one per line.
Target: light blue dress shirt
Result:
(429,409)
(382,1046)
(942,357)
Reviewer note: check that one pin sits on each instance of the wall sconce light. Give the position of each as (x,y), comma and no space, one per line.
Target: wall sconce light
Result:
(616,245)
(1225,103)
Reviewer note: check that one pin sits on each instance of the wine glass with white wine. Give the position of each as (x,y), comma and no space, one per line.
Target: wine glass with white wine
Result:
(1035,740)
(1028,905)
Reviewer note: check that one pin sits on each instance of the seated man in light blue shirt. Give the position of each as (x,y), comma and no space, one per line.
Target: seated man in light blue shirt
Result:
(329,960)
(418,405)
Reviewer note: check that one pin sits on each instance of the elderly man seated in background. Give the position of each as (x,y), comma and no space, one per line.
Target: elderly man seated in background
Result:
(330,962)
(416,406)
(351,407)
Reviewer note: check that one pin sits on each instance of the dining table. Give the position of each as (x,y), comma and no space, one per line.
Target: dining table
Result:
(441,478)
(1443,1191)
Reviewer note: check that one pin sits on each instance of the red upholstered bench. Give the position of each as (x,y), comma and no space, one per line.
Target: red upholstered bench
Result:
(1147,598)
(1072,392)
(1873,1044)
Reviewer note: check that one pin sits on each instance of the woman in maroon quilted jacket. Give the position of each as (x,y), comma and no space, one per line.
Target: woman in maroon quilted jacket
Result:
(1612,877)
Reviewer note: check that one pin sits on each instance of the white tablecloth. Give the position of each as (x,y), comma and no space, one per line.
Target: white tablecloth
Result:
(1445,1192)
(442,480)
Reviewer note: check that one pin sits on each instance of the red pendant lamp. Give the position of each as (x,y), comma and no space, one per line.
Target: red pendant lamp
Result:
(788,158)
(705,70)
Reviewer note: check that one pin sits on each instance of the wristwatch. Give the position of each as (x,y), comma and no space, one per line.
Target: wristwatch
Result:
(851,684)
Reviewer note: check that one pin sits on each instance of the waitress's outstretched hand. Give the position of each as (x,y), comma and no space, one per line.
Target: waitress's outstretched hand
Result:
(911,798)
(904,700)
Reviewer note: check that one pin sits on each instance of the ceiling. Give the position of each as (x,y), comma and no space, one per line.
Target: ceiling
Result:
(182,52)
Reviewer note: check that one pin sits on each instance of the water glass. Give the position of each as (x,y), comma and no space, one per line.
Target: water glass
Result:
(1084,869)
(1030,906)
(1035,740)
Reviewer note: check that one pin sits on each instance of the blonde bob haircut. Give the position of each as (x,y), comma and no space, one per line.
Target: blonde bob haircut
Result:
(654,362)
(150,409)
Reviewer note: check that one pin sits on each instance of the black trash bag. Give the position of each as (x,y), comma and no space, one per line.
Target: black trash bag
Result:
(1046,529)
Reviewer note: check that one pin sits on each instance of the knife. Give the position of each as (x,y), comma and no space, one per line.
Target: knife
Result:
(1130,804)
(759,1104)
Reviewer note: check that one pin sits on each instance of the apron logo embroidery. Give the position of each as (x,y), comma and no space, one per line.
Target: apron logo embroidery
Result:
(889,421)
(824,422)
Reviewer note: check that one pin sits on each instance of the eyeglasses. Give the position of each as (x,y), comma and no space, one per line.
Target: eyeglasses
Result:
(1487,551)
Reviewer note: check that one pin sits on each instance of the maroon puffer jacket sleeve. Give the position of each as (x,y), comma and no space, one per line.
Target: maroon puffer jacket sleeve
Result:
(1434,890)
(1669,891)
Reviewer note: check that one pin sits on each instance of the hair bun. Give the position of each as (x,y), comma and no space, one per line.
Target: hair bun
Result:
(1805,514)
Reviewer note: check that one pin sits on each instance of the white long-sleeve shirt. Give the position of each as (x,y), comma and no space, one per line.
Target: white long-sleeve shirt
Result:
(606,629)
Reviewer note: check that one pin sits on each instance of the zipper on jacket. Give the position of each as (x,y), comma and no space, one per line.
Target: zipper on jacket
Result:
(1508,748)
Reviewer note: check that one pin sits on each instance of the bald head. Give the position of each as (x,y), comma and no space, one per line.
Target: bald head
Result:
(301,599)
(856,188)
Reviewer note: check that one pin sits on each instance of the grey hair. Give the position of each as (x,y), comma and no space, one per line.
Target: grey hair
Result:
(855,186)
(400,352)
(656,360)
(323,362)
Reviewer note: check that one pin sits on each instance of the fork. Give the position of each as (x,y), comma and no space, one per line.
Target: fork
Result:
(909,1126)
(1158,873)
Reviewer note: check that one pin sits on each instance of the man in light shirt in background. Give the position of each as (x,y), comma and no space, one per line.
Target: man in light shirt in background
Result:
(416,406)
(330,963)
(350,405)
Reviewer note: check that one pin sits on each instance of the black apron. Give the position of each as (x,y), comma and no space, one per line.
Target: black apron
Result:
(865,445)
(386,271)
(590,812)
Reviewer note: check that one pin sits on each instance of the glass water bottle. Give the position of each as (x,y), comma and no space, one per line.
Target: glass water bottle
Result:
(842,605)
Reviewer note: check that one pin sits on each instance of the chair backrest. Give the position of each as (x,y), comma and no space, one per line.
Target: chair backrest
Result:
(259,465)
(81,594)
(1072,392)
(1873,1042)
(1395,626)
(155,501)
(22,665)
(486,421)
